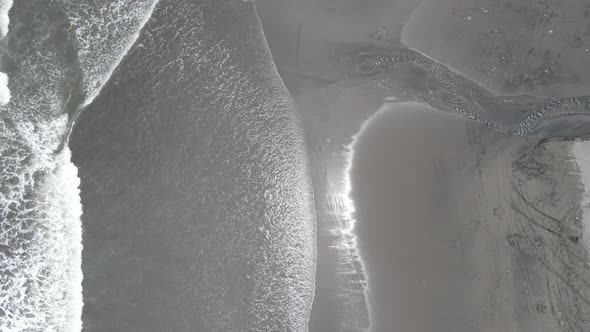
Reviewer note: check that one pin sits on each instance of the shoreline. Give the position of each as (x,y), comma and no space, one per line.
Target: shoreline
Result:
(460,228)
(581,152)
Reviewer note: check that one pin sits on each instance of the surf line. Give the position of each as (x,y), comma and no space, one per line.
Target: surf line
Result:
(90,97)
(5,6)
(349,205)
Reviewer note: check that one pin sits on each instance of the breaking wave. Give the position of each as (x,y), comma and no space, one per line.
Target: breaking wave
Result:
(56,59)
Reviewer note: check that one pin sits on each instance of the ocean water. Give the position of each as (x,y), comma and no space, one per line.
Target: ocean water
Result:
(58,57)
(159,137)
(41,231)
(47,74)
(198,212)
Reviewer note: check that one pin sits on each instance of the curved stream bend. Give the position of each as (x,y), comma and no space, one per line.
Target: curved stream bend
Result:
(406,75)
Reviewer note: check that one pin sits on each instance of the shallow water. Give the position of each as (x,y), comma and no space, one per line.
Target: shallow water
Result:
(459,230)
(197,202)
(202,174)
(372,66)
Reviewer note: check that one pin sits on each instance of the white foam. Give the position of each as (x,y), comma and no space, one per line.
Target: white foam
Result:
(40,209)
(41,238)
(101,52)
(4,90)
(5,6)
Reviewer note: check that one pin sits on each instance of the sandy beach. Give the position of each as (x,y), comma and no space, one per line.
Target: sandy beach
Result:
(510,47)
(462,229)
(455,227)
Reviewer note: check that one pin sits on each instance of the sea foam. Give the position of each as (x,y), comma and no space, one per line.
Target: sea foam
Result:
(40,208)
(5,6)
(4,90)
(103,35)
(582,153)
(40,233)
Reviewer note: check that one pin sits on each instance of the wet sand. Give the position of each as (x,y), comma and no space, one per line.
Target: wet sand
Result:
(581,152)
(511,47)
(301,36)
(486,225)
(408,228)
(198,211)
(461,229)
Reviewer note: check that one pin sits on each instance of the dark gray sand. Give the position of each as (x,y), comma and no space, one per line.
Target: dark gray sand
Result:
(301,36)
(461,229)
(408,222)
(495,240)
(582,153)
(512,47)
(301,33)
